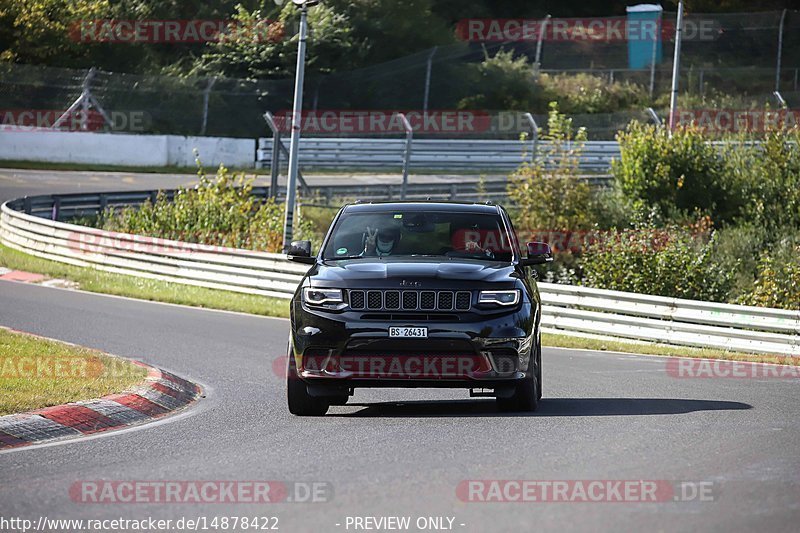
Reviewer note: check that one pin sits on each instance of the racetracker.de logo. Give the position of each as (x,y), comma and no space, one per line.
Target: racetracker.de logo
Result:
(204,492)
(715,368)
(583,491)
(54,368)
(353,121)
(175,31)
(597,30)
(738,120)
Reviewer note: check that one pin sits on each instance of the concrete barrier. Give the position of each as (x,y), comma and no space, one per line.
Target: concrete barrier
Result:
(123,149)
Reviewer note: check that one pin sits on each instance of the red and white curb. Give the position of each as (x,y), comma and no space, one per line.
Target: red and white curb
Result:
(160,394)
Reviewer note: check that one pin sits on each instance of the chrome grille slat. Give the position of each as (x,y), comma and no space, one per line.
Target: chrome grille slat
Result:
(415,300)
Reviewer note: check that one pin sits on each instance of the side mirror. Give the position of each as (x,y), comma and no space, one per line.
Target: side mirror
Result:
(300,252)
(539,253)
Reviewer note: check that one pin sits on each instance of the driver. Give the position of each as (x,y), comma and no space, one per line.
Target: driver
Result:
(381,241)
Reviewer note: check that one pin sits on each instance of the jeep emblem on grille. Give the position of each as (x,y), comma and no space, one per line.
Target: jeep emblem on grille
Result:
(406,283)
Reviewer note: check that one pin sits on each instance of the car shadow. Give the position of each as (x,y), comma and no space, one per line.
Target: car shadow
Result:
(547,407)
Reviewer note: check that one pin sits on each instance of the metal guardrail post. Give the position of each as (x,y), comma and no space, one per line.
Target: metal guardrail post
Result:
(407,154)
(534,135)
(279,148)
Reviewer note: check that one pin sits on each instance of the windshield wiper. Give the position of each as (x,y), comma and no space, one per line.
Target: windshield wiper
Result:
(345,257)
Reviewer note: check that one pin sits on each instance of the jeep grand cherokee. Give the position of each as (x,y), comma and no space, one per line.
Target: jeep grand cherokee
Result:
(416,294)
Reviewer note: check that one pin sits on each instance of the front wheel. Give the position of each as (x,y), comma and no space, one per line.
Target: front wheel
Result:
(527,392)
(300,402)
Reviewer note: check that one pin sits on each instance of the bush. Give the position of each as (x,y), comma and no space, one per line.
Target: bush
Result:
(553,198)
(673,261)
(504,83)
(584,93)
(219,212)
(769,174)
(682,176)
(777,282)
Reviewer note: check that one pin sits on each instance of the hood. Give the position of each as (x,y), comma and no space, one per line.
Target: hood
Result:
(393,272)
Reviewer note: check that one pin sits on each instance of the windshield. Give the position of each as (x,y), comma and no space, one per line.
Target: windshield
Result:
(415,233)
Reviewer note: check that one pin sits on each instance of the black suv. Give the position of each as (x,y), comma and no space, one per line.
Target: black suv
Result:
(416,294)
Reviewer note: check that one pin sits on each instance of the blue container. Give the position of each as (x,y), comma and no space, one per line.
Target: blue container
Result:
(643,31)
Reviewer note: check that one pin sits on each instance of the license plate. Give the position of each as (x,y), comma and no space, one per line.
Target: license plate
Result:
(417,333)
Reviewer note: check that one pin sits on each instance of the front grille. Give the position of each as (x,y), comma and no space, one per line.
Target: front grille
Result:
(394,300)
(374,300)
(357,299)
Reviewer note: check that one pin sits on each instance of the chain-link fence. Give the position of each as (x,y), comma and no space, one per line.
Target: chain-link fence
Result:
(728,62)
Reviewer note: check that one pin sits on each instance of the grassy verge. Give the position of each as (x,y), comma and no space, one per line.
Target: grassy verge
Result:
(36,373)
(568,341)
(161,291)
(145,289)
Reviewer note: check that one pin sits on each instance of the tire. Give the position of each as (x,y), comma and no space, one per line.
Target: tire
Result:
(539,371)
(300,402)
(526,394)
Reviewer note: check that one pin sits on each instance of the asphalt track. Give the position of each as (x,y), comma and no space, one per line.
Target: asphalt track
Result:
(605,416)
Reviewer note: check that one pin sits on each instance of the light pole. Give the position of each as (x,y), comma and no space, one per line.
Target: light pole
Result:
(294,147)
(676,71)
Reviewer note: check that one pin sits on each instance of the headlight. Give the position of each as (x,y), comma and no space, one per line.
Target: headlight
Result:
(504,298)
(330,298)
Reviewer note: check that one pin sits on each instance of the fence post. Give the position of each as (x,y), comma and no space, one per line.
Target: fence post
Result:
(206,95)
(542,30)
(407,154)
(428,81)
(84,101)
(654,116)
(275,165)
(534,135)
(780,52)
(276,156)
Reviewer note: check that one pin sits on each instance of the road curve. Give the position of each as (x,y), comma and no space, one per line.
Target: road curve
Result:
(605,416)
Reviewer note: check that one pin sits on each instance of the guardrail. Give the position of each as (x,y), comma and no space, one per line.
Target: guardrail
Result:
(432,154)
(566,309)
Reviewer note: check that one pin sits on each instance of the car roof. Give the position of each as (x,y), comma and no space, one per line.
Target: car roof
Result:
(454,207)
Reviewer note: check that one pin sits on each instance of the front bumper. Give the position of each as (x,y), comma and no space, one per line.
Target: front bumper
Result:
(343,351)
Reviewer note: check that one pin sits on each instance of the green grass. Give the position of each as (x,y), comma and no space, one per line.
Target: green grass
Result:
(37,373)
(103,282)
(92,280)
(568,341)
